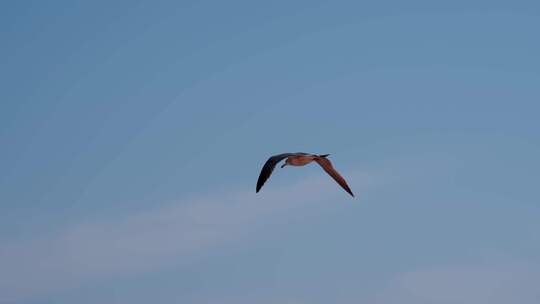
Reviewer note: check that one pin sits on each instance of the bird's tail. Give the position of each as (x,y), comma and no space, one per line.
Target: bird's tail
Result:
(323,155)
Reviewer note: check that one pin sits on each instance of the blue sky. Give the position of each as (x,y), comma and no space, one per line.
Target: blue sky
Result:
(133,132)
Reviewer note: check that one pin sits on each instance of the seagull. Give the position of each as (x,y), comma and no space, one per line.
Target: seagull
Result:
(301,159)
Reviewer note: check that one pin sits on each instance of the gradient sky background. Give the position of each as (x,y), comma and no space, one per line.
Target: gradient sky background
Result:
(132,134)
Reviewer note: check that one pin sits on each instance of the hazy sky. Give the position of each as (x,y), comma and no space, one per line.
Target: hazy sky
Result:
(132,134)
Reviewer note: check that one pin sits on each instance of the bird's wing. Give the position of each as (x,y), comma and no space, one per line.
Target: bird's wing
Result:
(327,166)
(269,167)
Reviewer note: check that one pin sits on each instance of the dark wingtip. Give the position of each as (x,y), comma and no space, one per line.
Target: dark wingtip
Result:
(350,192)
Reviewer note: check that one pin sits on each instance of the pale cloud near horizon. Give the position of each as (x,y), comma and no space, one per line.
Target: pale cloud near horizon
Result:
(175,233)
(500,283)
(497,282)
(151,240)
(171,234)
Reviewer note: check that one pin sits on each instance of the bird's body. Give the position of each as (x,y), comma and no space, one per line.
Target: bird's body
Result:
(300,159)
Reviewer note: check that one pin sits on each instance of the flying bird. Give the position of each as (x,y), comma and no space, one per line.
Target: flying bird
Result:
(301,159)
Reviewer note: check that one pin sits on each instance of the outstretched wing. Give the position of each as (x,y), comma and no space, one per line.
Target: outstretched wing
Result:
(327,166)
(269,167)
